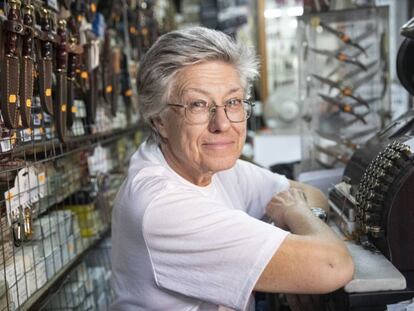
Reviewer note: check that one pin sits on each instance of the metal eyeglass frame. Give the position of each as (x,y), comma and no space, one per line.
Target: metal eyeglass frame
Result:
(214,107)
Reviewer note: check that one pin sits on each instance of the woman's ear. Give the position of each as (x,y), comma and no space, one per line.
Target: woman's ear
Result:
(159,125)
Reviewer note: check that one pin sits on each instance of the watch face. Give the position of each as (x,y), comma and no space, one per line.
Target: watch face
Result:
(320,213)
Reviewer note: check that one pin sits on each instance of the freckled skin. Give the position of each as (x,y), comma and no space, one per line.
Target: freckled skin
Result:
(197,151)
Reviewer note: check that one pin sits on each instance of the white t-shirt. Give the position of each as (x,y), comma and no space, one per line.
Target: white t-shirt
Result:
(178,246)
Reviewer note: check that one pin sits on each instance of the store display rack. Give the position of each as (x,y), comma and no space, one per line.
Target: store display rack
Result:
(344,84)
(68,124)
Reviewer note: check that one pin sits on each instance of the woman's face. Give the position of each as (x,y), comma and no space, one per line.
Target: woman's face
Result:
(197,151)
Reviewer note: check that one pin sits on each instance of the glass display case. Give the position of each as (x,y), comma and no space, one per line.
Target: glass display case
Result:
(343,83)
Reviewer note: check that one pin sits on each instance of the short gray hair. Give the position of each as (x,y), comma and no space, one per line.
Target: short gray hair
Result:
(177,49)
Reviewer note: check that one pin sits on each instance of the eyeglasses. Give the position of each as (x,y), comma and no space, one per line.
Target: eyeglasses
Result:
(199,112)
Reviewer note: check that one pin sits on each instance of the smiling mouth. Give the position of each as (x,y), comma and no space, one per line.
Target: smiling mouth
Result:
(218,145)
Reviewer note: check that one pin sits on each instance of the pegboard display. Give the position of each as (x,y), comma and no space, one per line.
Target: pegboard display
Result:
(68,124)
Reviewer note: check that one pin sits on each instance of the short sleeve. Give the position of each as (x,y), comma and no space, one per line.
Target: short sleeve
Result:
(258,185)
(202,249)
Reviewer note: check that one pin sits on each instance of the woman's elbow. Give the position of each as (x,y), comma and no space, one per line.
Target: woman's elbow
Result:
(342,272)
(347,270)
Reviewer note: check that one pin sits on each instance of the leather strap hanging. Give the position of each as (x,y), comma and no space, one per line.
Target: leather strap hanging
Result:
(26,77)
(10,67)
(92,93)
(45,64)
(75,50)
(71,76)
(109,75)
(60,98)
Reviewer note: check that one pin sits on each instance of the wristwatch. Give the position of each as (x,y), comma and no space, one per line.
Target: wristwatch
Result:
(320,213)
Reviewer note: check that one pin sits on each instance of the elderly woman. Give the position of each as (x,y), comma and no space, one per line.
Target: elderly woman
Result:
(186,234)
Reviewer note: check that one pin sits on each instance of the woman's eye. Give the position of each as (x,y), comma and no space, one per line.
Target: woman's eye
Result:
(198,105)
(233,103)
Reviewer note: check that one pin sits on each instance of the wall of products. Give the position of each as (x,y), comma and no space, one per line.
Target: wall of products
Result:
(68,125)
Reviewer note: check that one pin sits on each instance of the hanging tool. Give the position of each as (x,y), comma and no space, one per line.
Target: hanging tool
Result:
(344,90)
(345,38)
(357,39)
(355,55)
(342,57)
(344,107)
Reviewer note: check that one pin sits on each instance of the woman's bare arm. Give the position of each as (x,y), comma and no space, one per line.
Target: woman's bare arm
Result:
(312,259)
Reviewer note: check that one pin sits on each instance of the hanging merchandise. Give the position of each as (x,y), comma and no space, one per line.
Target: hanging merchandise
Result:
(10,66)
(68,126)
(58,53)
(343,83)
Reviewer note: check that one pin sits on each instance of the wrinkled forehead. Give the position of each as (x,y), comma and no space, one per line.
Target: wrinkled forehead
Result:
(212,90)
(208,79)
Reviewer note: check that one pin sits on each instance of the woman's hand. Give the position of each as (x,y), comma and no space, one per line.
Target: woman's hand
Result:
(290,200)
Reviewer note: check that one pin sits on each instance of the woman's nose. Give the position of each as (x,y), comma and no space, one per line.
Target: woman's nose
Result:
(219,121)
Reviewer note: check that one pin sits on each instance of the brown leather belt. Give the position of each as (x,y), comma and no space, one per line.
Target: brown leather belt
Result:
(60,105)
(26,78)
(111,70)
(107,71)
(91,92)
(74,53)
(71,88)
(45,65)
(91,97)
(10,67)
(116,57)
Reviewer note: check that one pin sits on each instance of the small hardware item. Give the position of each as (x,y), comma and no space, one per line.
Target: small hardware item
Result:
(10,66)
(28,223)
(16,227)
